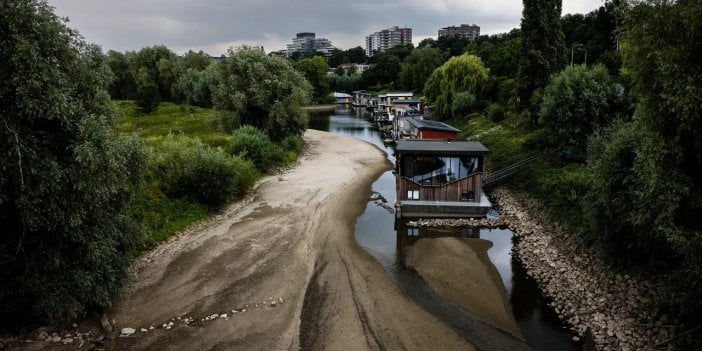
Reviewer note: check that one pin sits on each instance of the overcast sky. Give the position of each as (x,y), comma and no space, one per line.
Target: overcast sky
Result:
(215,25)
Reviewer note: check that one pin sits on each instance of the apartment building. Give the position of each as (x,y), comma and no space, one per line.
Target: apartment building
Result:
(387,38)
(307,42)
(471,32)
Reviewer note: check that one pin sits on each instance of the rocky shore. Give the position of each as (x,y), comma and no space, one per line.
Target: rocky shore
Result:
(608,310)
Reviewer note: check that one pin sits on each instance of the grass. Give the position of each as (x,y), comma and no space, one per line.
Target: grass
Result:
(170,118)
(163,216)
(559,188)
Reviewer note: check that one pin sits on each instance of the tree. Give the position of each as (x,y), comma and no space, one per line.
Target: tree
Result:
(577,101)
(147,95)
(418,66)
(385,71)
(67,238)
(464,73)
(315,71)
(197,87)
(543,50)
(123,84)
(357,55)
(656,159)
(262,91)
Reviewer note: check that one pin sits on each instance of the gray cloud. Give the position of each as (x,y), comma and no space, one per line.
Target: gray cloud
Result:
(214,25)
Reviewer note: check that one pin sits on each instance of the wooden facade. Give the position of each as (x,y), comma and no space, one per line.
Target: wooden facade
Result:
(440,178)
(465,189)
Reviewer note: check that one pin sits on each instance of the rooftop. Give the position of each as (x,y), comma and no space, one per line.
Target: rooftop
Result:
(444,147)
(431,125)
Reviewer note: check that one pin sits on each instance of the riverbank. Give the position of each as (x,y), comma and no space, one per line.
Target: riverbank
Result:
(612,307)
(320,108)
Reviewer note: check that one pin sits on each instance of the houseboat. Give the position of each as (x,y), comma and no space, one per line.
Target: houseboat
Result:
(341,98)
(419,128)
(440,178)
(360,98)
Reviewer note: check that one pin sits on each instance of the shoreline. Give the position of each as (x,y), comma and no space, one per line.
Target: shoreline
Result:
(320,108)
(584,295)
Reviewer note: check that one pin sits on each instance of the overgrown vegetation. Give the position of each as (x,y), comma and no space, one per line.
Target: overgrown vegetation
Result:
(67,179)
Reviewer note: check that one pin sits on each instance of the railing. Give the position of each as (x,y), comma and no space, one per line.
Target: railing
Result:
(464,189)
(498,177)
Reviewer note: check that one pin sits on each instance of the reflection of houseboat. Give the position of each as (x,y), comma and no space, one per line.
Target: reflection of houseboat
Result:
(440,178)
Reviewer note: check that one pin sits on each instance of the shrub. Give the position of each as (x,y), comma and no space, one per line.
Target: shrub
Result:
(252,144)
(186,167)
(495,112)
(293,143)
(463,103)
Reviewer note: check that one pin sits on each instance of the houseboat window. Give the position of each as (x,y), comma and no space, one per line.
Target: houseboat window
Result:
(427,170)
(412,231)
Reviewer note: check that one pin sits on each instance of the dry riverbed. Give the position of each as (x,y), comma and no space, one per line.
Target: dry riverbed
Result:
(280,270)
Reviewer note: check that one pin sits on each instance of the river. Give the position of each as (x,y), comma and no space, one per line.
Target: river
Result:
(380,235)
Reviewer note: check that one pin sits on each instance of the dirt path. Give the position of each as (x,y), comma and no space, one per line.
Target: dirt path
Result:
(285,270)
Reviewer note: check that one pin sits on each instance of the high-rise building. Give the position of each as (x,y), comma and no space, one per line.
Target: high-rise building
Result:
(387,38)
(471,32)
(306,42)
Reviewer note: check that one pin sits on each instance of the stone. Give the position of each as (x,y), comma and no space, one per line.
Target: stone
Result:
(56,338)
(576,339)
(67,341)
(223,316)
(127,331)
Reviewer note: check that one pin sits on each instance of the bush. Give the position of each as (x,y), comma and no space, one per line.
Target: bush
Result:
(186,167)
(293,143)
(463,103)
(252,144)
(495,112)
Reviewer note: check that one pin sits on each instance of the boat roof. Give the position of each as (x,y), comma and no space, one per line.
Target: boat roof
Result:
(431,125)
(443,147)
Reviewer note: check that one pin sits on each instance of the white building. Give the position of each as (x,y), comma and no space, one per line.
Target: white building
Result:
(387,38)
(306,42)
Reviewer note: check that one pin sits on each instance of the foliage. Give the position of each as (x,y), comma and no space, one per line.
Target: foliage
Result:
(262,91)
(495,112)
(353,55)
(464,73)
(463,104)
(197,87)
(595,31)
(418,66)
(147,96)
(500,52)
(185,167)
(123,84)
(543,47)
(66,177)
(251,144)
(662,38)
(452,45)
(386,70)
(576,102)
(315,71)
(346,84)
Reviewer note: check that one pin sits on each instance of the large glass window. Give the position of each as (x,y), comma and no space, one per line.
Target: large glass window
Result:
(432,170)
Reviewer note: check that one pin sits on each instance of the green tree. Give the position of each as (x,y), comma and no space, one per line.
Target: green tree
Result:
(147,95)
(197,87)
(543,50)
(67,238)
(577,101)
(418,66)
(315,71)
(262,91)
(464,73)
(123,84)
(386,70)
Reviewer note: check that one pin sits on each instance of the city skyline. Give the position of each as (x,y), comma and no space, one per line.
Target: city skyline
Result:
(214,26)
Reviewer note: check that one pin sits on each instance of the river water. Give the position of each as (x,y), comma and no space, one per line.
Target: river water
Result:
(383,237)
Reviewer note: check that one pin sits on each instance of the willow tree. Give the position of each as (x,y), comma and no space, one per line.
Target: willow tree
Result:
(67,238)
(460,74)
(543,50)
